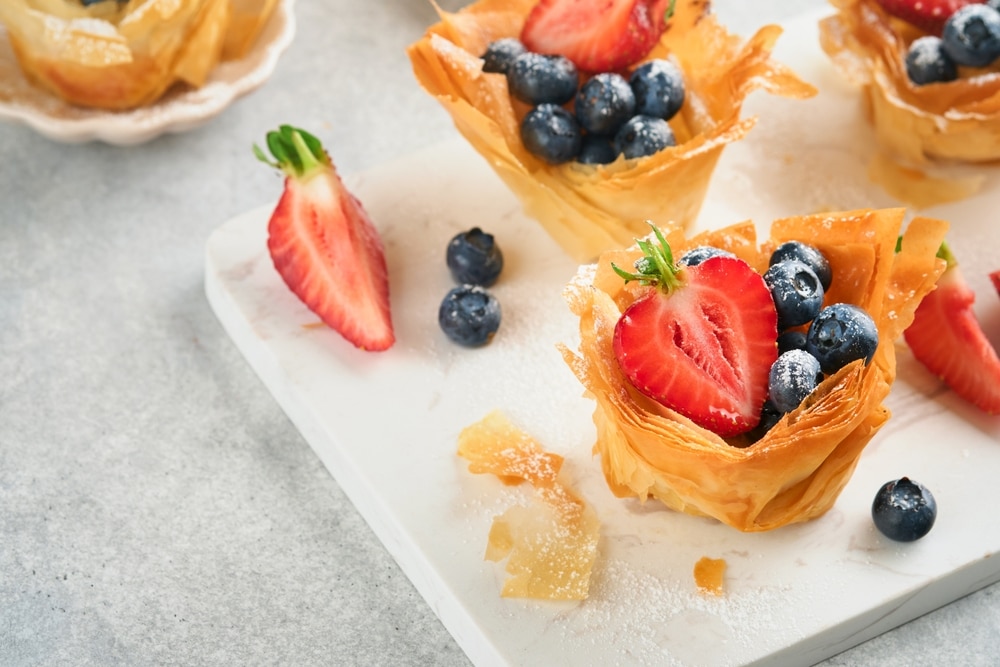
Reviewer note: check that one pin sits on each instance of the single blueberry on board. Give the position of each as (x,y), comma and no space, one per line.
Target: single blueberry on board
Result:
(971,35)
(474,258)
(604,103)
(469,315)
(797,292)
(535,78)
(500,54)
(659,88)
(643,135)
(927,62)
(551,133)
(904,510)
(840,334)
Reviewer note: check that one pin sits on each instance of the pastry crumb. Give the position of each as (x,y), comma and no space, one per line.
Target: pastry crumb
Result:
(709,574)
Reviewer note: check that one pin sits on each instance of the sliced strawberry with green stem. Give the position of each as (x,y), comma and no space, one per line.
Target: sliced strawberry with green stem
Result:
(324,245)
(597,36)
(701,341)
(928,15)
(946,338)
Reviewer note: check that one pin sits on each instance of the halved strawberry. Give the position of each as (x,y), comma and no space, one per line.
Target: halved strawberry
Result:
(597,35)
(702,340)
(945,336)
(928,15)
(324,245)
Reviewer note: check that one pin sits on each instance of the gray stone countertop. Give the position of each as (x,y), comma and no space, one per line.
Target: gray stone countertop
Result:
(156,506)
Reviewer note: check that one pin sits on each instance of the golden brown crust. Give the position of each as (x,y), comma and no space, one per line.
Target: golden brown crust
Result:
(797,470)
(120,60)
(589,209)
(958,120)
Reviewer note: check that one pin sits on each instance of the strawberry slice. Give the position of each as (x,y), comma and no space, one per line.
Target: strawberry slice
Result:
(324,245)
(995,278)
(928,15)
(600,36)
(945,336)
(701,341)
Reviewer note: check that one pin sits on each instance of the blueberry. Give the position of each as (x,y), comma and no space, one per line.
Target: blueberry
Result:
(604,103)
(596,149)
(699,254)
(971,35)
(469,315)
(659,89)
(793,339)
(474,258)
(926,62)
(501,53)
(551,133)
(643,135)
(808,255)
(536,78)
(793,376)
(797,293)
(840,334)
(904,510)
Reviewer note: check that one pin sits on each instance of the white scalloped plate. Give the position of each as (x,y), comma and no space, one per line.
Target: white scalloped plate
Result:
(179,110)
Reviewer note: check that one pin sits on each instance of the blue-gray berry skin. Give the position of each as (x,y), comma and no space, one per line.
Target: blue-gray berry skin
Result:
(904,510)
(659,89)
(535,78)
(971,35)
(840,334)
(551,133)
(797,292)
(793,339)
(807,254)
(641,136)
(793,376)
(469,315)
(926,62)
(596,149)
(474,258)
(501,54)
(604,103)
(699,254)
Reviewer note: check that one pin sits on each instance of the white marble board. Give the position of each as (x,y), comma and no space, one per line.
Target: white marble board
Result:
(385,425)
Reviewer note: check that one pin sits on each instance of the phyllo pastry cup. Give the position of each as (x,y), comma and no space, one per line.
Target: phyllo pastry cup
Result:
(119,56)
(798,468)
(588,209)
(956,121)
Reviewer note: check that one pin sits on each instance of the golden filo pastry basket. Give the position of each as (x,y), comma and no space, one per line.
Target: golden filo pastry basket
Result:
(588,209)
(953,121)
(796,471)
(116,56)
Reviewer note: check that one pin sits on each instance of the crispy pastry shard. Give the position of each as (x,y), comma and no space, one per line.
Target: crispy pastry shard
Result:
(550,545)
(797,470)
(589,209)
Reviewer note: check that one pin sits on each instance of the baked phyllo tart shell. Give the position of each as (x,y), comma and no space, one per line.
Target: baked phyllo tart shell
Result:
(588,208)
(119,56)
(954,121)
(797,469)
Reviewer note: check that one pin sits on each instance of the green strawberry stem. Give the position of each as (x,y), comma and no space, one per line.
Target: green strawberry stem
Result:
(670,10)
(295,151)
(656,266)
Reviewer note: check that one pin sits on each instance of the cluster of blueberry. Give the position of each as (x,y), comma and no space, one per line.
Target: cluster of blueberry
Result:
(971,38)
(469,314)
(798,277)
(611,115)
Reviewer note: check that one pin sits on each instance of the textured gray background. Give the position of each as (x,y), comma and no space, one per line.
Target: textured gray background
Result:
(156,506)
